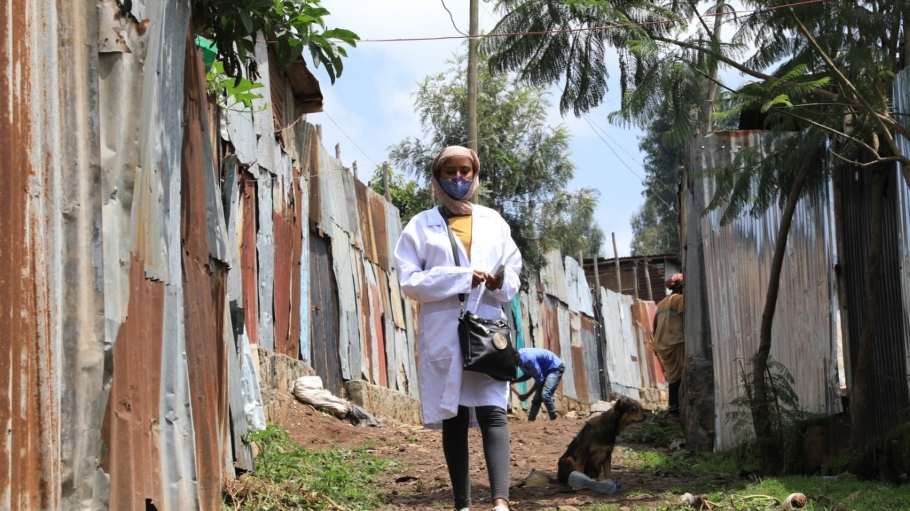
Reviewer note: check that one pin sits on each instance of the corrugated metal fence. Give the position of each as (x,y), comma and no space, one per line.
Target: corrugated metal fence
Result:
(736,261)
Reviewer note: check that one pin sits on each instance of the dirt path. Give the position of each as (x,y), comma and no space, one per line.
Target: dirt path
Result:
(419,480)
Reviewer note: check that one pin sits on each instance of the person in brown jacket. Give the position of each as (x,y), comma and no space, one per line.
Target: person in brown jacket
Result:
(669,337)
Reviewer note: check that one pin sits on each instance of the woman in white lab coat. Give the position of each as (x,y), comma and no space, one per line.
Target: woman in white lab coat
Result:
(451,398)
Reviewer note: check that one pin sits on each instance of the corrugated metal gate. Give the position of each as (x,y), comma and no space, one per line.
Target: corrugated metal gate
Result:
(887,393)
(324,316)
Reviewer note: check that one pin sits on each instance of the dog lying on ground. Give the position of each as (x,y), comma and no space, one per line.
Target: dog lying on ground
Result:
(591,451)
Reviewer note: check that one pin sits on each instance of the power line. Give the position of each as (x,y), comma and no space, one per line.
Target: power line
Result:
(349,138)
(589,29)
(623,161)
(611,138)
(451,17)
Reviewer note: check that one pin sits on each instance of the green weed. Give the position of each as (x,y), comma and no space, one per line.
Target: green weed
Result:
(287,476)
(653,431)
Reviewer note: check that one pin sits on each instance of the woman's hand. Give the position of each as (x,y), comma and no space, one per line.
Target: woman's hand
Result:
(494,282)
(479,276)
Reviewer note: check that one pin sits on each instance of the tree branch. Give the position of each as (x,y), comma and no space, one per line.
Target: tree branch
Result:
(847,84)
(830,129)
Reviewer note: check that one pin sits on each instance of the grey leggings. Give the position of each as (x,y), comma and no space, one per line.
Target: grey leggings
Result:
(494,429)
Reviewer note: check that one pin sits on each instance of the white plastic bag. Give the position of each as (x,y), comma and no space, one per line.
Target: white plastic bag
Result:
(308,389)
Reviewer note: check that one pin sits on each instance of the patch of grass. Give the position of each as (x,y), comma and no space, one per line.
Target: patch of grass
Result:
(653,431)
(686,462)
(287,476)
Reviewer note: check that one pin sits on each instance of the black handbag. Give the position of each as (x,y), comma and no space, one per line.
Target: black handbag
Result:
(486,345)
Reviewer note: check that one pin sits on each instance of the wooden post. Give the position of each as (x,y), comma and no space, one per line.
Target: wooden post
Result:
(385,180)
(471,128)
(648,280)
(319,132)
(635,279)
(338,151)
(581,265)
(596,281)
(618,273)
(354,165)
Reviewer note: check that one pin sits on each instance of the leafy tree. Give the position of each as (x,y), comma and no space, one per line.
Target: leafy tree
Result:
(525,165)
(818,73)
(409,196)
(295,26)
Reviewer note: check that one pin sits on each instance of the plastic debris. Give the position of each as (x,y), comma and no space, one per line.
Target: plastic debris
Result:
(795,501)
(580,481)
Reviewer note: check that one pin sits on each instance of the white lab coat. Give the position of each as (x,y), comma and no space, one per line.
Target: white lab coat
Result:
(427,273)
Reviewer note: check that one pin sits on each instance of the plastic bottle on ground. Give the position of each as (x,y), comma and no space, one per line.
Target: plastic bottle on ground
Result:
(579,481)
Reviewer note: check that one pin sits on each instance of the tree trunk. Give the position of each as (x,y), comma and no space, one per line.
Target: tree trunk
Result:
(761,411)
(867,334)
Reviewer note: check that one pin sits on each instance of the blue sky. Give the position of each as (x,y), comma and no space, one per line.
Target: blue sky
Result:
(372,103)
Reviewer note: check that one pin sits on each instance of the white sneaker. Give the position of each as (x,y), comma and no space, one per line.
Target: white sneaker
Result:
(501,508)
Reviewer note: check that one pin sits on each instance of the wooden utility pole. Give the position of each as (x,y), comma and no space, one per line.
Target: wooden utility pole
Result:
(648,280)
(635,279)
(354,165)
(385,180)
(618,273)
(472,77)
(712,83)
(596,281)
(338,151)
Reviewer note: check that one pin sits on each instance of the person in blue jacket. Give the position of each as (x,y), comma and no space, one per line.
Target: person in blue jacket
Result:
(546,369)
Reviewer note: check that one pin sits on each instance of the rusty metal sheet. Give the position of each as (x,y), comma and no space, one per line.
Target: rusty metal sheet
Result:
(411,339)
(238,126)
(553,277)
(535,316)
(265,250)
(366,220)
(380,234)
(314,181)
(396,299)
(297,286)
(361,265)
(285,269)
(324,316)
(579,368)
(204,293)
(737,258)
(393,231)
(391,353)
(130,422)
(590,341)
(249,381)
(242,453)
(249,267)
(622,358)
(378,348)
(577,287)
(902,104)
(342,265)
(231,195)
(334,196)
(565,349)
(303,207)
(350,202)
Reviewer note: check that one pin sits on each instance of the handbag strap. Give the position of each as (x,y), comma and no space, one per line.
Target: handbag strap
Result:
(445,216)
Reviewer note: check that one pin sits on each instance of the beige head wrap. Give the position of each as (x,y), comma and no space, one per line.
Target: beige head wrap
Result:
(461,206)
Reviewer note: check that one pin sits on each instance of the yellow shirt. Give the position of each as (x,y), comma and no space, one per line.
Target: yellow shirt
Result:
(461,227)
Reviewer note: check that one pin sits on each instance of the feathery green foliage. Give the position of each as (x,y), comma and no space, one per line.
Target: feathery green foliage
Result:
(524,163)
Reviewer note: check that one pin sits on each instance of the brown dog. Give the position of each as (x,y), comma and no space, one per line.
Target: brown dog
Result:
(592,448)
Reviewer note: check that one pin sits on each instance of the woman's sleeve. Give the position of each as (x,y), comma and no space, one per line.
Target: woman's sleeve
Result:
(511,281)
(434,284)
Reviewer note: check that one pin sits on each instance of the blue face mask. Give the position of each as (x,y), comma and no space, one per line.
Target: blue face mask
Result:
(456,187)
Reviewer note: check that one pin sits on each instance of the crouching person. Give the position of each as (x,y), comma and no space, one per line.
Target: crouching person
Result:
(546,369)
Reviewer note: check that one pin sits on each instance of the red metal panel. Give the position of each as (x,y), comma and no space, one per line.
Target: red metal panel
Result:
(642,317)
(377,325)
(204,296)
(248,264)
(284,239)
(578,360)
(130,427)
